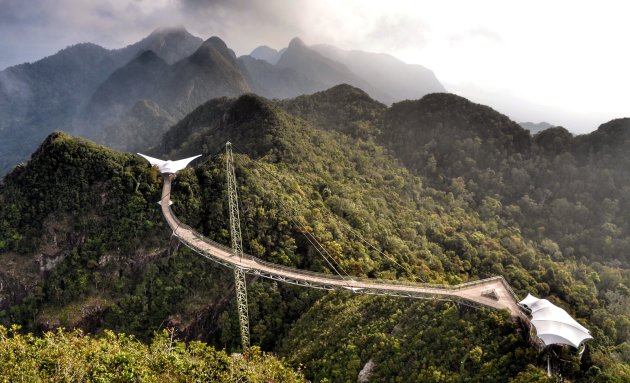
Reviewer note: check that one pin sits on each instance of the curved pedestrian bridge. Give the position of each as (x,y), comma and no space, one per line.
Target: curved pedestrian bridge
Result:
(492,292)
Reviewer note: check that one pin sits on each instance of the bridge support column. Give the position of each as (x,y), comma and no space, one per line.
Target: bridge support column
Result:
(241,301)
(237,247)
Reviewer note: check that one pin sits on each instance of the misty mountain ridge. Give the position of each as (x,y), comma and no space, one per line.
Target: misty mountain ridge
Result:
(211,71)
(266,53)
(86,89)
(536,127)
(270,81)
(49,94)
(384,77)
(400,80)
(148,92)
(138,128)
(93,92)
(131,82)
(169,43)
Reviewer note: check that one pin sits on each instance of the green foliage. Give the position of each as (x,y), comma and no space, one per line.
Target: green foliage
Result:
(63,356)
(303,173)
(72,177)
(554,187)
(405,341)
(88,212)
(532,374)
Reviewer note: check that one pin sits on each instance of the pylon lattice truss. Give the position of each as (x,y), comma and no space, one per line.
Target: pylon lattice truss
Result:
(237,247)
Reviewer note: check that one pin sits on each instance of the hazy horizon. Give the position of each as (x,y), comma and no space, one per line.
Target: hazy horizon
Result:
(562,63)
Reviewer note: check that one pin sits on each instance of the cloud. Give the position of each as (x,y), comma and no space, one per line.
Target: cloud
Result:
(32,29)
(262,12)
(392,32)
(477,33)
(245,24)
(460,40)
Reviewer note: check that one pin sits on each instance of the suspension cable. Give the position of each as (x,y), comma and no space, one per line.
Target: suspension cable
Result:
(306,233)
(317,245)
(323,256)
(389,257)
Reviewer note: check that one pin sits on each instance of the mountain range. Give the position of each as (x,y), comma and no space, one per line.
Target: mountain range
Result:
(112,96)
(437,190)
(343,157)
(37,98)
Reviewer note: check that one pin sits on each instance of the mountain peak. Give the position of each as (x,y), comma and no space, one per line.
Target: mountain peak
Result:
(266,53)
(243,120)
(170,43)
(347,93)
(216,42)
(211,50)
(343,108)
(446,112)
(609,136)
(54,138)
(553,140)
(167,30)
(618,126)
(296,42)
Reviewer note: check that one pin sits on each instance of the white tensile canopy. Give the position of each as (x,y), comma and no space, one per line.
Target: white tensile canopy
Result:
(168,166)
(554,325)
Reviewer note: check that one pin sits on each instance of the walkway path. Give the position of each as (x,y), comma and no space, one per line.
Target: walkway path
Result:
(492,292)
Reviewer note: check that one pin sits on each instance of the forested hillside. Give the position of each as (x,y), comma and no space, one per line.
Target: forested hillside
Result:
(426,190)
(74,357)
(127,98)
(570,194)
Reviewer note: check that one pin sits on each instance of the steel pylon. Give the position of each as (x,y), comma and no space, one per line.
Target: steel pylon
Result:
(237,247)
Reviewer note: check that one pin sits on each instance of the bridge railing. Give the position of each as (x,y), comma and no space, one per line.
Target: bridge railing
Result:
(270,265)
(199,235)
(349,279)
(509,289)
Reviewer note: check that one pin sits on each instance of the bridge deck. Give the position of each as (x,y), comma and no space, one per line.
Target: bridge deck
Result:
(493,292)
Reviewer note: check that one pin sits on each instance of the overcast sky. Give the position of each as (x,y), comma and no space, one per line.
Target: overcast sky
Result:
(564,62)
